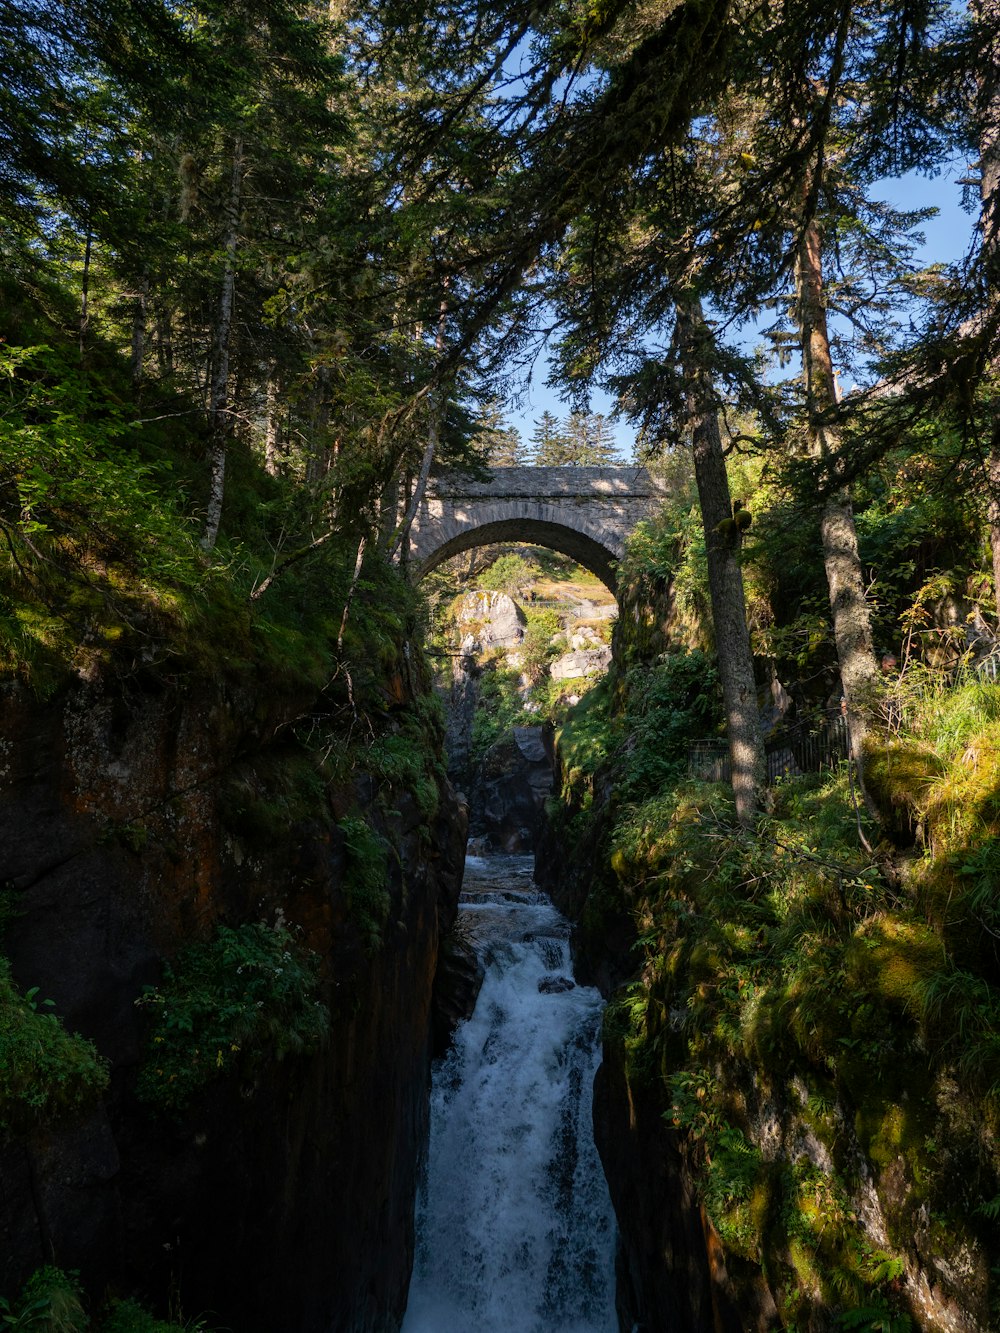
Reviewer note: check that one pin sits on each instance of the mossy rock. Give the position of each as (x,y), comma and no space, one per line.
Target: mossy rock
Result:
(964,806)
(900,776)
(894,960)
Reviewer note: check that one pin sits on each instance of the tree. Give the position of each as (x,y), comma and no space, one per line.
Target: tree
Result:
(985,20)
(603,446)
(590,441)
(725,574)
(549,444)
(500,444)
(838,533)
(821,151)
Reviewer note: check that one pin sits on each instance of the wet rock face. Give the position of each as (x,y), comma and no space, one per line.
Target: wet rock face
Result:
(508,797)
(457,984)
(671,1271)
(555,985)
(131,824)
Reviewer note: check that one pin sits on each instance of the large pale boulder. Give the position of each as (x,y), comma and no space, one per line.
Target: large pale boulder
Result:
(581,662)
(492,619)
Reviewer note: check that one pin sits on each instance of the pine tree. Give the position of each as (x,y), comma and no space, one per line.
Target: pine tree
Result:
(985,23)
(499,443)
(602,447)
(549,443)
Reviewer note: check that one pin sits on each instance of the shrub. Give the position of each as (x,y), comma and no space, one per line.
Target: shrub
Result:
(49,1303)
(500,707)
(676,701)
(46,1073)
(365,879)
(131,1317)
(248,995)
(508,573)
(542,642)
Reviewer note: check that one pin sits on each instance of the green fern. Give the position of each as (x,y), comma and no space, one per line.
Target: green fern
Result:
(874,1319)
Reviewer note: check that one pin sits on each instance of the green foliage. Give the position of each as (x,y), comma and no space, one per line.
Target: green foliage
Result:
(72,455)
(263,799)
(508,573)
(585,741)
(921,544)
(734,1170)
(874,1319)
(963,1016)
(543,641)
(131,1317)
(668,705)
(645,743)
(406,760)
(247,996)
(46,1073)
(939,771)
(781,958)
(49,1302)
(665,556)
(366,879)
(501,706)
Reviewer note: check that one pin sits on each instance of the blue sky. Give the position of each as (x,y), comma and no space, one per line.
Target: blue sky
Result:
(947,238)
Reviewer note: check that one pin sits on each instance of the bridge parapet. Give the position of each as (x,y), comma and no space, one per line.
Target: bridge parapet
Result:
(535,482)
(585,512)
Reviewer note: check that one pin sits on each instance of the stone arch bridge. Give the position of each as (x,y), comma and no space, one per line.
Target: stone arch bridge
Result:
(584,512)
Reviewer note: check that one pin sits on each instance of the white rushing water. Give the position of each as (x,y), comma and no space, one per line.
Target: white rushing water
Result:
(515,1228)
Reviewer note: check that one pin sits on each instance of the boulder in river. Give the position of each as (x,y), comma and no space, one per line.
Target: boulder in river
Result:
(555,985)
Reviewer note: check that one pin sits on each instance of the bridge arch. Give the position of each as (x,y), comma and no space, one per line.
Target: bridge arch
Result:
(587,551)
(586,513)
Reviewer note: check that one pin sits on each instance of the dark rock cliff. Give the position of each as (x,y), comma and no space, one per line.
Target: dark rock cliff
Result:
(135,817)
(670,1270)
(508,794)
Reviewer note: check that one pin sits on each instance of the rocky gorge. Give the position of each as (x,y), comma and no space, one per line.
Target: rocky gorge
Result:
(792,1135)
(242,911)
(140,818)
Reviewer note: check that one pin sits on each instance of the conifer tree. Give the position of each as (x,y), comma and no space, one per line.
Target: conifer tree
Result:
(500,443)
(549,443)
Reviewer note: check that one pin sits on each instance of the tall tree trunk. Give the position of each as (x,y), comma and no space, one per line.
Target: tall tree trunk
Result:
(165,340)
(271,428)
(725,574)
(218,401)
(436,404)
(993,512)
(986,16)
(838,534)
(139,329)
(359,560)
(88,250)
(319,458)
(401,540)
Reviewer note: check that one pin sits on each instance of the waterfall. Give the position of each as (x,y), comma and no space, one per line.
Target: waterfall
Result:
(515,1228)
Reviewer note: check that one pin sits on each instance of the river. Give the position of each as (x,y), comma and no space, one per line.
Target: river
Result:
(515,1228)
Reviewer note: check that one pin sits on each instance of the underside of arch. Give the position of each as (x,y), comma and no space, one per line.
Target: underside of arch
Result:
(585,550)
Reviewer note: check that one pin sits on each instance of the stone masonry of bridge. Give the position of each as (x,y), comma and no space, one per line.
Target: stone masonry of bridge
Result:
(584,512)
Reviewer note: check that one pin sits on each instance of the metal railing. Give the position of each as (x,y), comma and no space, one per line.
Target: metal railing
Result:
(789,752)
(988,667)
(805,748)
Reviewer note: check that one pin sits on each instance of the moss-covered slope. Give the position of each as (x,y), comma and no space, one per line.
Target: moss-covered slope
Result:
(799,1106)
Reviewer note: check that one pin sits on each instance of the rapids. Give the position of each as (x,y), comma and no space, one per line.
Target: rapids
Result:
(515,1228)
